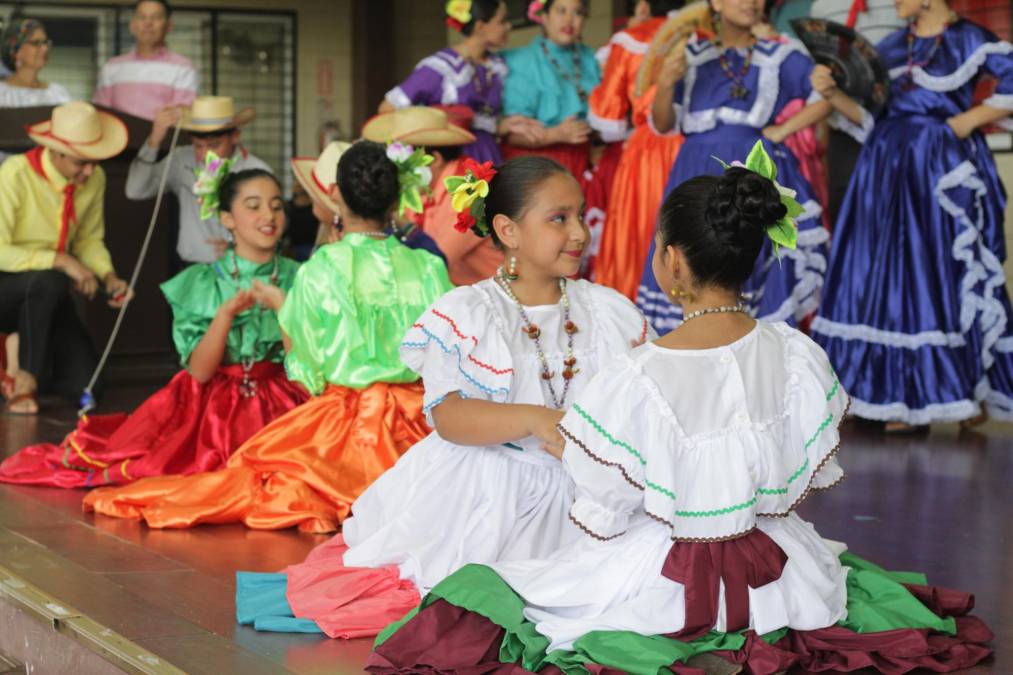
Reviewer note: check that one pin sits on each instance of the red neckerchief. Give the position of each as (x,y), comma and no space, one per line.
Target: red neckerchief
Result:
(69,215)
(857,6)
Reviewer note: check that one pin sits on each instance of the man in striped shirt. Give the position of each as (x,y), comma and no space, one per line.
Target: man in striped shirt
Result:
(151,76)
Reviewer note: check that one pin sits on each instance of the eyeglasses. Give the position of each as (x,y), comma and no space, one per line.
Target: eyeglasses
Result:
(39,43)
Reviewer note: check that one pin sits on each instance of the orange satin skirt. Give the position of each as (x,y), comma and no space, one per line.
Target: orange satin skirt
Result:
(305,468)
(575,158)
(637,191)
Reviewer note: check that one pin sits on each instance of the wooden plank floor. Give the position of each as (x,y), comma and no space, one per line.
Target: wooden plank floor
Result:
(941,504)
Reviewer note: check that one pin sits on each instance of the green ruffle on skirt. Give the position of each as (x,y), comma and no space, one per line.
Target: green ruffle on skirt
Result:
(877,601)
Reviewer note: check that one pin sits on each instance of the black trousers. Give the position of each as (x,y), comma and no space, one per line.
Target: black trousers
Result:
(54,345)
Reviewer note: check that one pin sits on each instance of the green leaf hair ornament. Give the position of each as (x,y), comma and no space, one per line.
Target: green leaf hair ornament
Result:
(783,233)
(209,179)
(413,175)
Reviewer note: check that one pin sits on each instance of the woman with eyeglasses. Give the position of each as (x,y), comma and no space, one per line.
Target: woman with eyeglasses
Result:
(24,50)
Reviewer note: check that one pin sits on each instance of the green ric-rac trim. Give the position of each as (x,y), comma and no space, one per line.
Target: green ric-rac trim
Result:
(625,446)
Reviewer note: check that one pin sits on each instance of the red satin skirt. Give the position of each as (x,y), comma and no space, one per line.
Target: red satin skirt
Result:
(305,468)
(576,158)
(185,427)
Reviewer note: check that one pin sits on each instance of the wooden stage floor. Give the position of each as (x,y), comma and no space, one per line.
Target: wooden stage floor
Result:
(941,504)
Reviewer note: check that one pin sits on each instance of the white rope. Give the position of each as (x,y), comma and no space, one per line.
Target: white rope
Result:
(88,398)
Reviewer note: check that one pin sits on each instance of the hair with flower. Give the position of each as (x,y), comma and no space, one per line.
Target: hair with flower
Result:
(536,11)
(458,14)
(413,175)
(784,232)
(209,179)
(468,193)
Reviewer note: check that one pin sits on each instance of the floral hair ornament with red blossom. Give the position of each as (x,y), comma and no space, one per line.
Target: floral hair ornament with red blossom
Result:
(785,231)
(458,14)
(536,11)
(468,193)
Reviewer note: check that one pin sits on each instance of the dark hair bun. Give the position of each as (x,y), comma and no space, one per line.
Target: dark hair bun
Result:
(721,223)
(744,204)
(368,180)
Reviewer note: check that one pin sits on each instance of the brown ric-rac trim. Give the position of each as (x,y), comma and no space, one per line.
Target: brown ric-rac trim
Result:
(589,533)
(598,459)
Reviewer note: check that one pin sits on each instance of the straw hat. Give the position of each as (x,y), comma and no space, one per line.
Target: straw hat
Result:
(318,174)
(416,125)
(208,114)
(79,130)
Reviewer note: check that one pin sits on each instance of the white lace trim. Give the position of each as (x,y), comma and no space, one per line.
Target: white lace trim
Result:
(629,43)
(980,263)
(768,88)
(397,98)
(959,77)
(847,331)
(603,55)
(860,132)
(1000,101)
(611,131)
(999,407)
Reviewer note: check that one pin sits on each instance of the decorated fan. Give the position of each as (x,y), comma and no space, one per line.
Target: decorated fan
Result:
(677,30)
(856,65)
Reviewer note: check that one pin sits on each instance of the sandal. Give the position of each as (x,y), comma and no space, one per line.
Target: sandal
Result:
(904,429)
(22,398)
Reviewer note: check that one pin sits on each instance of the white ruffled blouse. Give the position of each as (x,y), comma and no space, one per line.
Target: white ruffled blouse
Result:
(705,441)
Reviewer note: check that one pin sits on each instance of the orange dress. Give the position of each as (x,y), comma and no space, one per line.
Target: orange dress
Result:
(639,182)
(348,309)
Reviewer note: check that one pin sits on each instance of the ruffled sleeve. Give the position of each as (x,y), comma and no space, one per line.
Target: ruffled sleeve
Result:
(999,65)
(796,70)
(455,346)
(609,103)
(619,324)
(423,87)
(194,301)
(606,449)
(815,405)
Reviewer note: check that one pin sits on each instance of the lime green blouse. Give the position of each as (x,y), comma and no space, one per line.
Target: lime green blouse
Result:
(351,305)
(196,293)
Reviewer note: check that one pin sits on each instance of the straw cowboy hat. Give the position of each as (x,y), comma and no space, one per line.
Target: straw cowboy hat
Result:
(79,130)
(208,114)
(318,174)
(416,125)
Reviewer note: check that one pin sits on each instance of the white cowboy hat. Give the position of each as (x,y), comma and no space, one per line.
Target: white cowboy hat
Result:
(208,114)
(79,130)
(318,174)
(416,125)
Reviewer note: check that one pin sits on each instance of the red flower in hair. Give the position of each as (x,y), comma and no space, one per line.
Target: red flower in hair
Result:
(455,24)
(465,221)
(482,171)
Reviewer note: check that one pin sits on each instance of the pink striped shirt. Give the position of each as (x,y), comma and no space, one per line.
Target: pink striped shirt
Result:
(142,86)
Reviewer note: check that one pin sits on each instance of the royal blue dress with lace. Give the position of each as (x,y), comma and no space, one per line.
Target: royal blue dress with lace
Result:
(718,124)
(915,314)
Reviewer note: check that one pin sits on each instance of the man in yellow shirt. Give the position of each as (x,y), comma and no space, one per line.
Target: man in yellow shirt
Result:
(52,224)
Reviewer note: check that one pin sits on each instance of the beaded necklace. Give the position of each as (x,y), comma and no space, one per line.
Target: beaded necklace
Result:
(248,387)
(909,75)
(576,78)
(724,309)
(739,89)
(533,332)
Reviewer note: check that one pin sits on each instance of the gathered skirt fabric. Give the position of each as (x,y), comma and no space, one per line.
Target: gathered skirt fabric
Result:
(305,469)
(184,428)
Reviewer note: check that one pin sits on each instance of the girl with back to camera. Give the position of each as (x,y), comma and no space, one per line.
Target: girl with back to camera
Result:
(342,322)
(686,499)
(501,361)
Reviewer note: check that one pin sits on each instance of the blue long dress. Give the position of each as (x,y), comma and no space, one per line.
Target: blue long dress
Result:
(915,315)
(716,124)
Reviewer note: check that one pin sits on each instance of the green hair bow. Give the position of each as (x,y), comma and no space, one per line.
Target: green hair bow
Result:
(784,232)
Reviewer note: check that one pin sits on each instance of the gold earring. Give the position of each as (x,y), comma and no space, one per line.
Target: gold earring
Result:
(679,294)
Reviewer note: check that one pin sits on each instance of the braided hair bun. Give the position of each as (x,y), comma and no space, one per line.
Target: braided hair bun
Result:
(720,224)
(368,180)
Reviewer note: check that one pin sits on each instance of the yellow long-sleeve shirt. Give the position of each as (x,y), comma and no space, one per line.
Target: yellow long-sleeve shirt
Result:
(31,207)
